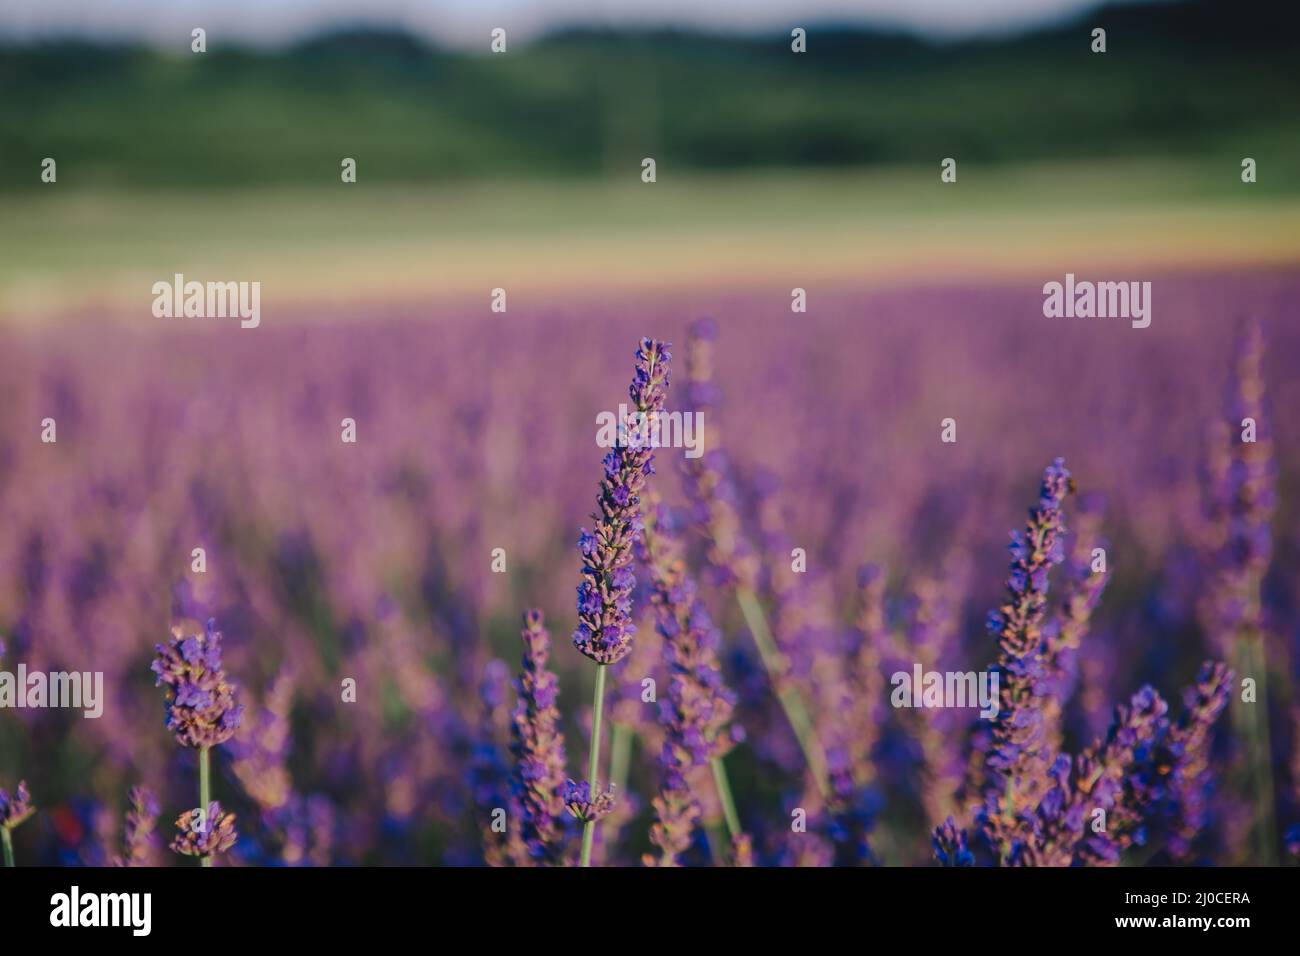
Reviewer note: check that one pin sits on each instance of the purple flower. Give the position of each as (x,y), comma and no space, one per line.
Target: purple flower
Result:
(259,754)
(706,479)
(698,708)
(950,845)
(585,808)
(204,837)
(1097,783)
(696,712)
(538,748)
(1019,757)
(141,818)
(677,809)
(1188,748)
(201,708)
(1063,635)
(934,637)
(16,809)
(605,628)
(1155,772)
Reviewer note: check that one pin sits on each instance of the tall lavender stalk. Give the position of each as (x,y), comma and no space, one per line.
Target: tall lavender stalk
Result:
(202,713)
(1240,502)
(696,713)
(732,557)
(13,811)
(1019,758)
(537,745)
(605,627)
(1188,749)
(934,635)
(141,818)
(1064,634)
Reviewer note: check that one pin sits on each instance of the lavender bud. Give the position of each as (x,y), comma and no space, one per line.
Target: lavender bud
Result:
(204,838)
(605,628)
(579,801)
(141,818)
(16,809)
(201,708)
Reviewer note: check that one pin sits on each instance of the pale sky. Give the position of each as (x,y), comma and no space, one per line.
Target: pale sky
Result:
(467,22)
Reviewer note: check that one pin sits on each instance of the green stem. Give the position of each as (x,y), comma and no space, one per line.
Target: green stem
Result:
(789,697)
(598,706)
(716,840)
(620,756)
(205,796)
(8,839)
(723,786)
(1252,721)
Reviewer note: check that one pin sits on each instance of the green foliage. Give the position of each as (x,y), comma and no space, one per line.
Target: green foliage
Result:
(1207,78)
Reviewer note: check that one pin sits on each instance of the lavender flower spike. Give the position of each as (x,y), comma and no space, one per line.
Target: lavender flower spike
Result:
(16,809)
(204,837)
(1191,782)
(201,708)
(13,811)
(1019,758)
(696,714)
(538,748)
(137,841)
(605,595)
(605,628)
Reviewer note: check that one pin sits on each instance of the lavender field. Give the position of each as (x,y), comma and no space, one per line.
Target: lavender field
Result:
(370,700)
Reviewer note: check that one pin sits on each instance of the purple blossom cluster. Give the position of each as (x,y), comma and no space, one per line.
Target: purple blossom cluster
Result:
(537,746)
(201,708)
(1018,757)
(605,627)
(141,820)
(696,712)
(585,804)
(204,836)
(15,809)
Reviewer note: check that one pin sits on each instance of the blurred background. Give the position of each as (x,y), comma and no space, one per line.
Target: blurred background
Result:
(522,171)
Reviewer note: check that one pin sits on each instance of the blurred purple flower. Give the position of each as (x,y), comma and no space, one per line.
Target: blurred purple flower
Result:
(538,748)
(16,809)
(696,712)
(201,708)
(204,837)
(137,838)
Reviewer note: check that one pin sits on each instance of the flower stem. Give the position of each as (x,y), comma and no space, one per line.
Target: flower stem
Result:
(205,796)
(724,797)
(790,699)
(7,839)
(620,756)
(598,706)
(1252,723)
